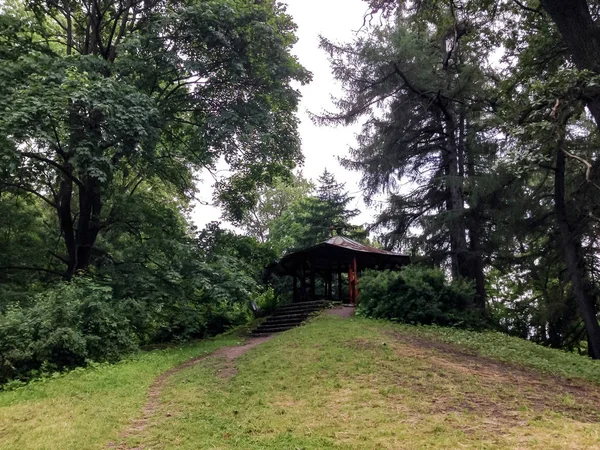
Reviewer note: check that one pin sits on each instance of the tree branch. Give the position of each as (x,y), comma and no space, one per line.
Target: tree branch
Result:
(53,164)
(527,8)
(32,269)
(588,166)
(31,191)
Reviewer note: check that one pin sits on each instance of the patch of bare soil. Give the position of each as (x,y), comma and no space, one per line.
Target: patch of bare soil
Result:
(496,391)
(342,311)
(230,354)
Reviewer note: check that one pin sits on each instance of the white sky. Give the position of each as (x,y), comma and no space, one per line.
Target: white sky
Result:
(337,20)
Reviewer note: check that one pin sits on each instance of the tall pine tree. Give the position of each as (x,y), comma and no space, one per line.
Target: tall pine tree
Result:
(314,218)
(419,85)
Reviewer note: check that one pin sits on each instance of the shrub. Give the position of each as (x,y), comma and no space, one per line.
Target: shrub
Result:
(65,327)
(267,301)
(179,297)
(418,295)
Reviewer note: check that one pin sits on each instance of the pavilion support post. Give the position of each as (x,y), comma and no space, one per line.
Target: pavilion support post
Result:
(303,283)
(339,277)
(353,282)
(295,297)
(312,281)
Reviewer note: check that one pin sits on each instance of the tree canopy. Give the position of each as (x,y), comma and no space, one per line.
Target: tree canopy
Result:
(103,98)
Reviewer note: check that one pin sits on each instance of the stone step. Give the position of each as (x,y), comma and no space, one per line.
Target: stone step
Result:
(292,319)
(289,316)
(312,302)
(282,323)
(298,309)
(292,315)
(271,330)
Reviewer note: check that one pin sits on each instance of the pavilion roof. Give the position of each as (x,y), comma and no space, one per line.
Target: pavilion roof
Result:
(344,242)
(339,251)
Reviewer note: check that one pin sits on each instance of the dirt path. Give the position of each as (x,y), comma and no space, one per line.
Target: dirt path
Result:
(342,311)
(229,353)
(496,386)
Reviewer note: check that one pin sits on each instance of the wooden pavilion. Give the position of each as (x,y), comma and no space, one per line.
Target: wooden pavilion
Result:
(336,256)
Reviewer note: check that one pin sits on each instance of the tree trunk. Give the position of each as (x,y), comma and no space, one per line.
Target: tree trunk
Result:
(582,37)
(79,237)
(572,251)
(474,226)
(457,227)
(63,206)
(88,226)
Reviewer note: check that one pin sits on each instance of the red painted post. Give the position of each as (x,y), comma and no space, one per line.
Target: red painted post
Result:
(353,282)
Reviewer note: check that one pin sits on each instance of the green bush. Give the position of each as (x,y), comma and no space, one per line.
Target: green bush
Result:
(418,295)
(74,323)
(182,293)
(66,326)
(267,301)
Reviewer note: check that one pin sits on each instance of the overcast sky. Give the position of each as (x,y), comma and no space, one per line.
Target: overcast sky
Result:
(337,20)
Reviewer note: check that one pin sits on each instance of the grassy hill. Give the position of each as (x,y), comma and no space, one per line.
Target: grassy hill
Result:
(335,383)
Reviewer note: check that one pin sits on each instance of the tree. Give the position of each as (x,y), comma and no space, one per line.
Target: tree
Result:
(271,204)
(334,202)
(577,23)
(100,97)
(550,81)
(498,162)
(313,219)
(418,82)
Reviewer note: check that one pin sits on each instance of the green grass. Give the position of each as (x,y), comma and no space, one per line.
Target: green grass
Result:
(86,408)
(362,384)
(332,384)
(514,350)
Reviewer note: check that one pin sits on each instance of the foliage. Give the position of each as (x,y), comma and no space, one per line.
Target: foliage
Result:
(267,301)
(89,114)
(215,243)
(169,288)
(272,202)
(313,218)
(108,110)
(418,295)
(24,235)
(65,327)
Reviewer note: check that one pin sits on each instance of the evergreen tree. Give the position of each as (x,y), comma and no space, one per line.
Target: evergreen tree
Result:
(419,83)
(334,202)
(315,218)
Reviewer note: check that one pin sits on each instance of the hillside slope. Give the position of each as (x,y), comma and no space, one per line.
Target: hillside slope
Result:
(341,383)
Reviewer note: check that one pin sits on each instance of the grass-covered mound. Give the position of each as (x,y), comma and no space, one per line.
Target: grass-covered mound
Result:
(335,383)
(88,407)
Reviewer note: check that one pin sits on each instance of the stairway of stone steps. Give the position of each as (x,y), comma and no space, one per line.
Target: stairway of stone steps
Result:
(289,316)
